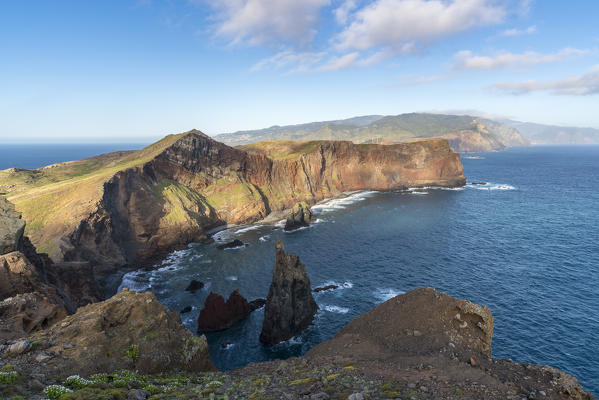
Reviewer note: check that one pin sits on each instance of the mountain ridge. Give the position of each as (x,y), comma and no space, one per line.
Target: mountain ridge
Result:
(465,133)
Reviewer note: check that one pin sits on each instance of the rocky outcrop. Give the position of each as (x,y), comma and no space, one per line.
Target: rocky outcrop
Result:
(129,331)
(290,307)
(24,314)
(28,300)
(421,322)
(442,344)
(218,315)
(11,227)
(299,216)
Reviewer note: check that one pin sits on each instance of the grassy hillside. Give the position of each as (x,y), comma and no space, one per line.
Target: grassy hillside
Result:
(58,196)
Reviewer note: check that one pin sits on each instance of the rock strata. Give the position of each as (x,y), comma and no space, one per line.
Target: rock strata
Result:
(300,216)
(218,315)
(290,306)
(129,331)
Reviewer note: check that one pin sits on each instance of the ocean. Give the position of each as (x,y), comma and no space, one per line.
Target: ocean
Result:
(525,244)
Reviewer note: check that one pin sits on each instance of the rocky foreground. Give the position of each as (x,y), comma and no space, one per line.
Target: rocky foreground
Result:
(420,345)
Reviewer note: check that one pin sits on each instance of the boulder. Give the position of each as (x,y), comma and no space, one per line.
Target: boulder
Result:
(218,315)
(11,227)
(299,216)
(419,323)
(290,306)
(128,331)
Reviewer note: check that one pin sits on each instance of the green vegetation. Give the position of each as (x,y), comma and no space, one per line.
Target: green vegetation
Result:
(291,376)
(132,353)
(374,129)
(284,149)
(55,392)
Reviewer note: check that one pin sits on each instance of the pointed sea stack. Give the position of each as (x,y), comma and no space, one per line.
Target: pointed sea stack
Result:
(290,307)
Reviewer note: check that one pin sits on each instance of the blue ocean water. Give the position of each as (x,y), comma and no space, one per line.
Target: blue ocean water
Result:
(31,156)
(526,244)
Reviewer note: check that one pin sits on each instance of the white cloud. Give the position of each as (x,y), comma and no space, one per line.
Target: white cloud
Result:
(467,60)
(581,85)
(352,59)
(342,12)
(518,32)
(404,25)
(268,21)
(294,62)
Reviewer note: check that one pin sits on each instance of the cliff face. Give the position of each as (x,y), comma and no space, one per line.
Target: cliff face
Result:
(171,193)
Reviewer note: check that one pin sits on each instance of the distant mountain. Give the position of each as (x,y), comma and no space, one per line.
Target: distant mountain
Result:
(465,133)
(552,134)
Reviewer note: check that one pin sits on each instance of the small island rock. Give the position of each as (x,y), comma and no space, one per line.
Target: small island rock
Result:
(300,216)
(218,315)
(290,306)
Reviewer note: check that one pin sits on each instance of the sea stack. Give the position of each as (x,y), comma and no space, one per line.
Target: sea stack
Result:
(290,307)
(300,216)
(218,315)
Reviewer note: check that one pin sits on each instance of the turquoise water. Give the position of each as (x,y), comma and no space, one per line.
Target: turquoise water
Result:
(526,245)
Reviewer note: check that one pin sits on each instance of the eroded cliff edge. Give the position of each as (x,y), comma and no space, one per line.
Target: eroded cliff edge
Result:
(123,210)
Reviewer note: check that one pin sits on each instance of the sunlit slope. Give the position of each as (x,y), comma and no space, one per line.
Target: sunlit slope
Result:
(55,198)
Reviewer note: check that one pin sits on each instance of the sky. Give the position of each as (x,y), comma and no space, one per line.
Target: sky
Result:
(137,70)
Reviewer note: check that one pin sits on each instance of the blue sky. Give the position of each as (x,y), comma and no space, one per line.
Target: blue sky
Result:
(136,70)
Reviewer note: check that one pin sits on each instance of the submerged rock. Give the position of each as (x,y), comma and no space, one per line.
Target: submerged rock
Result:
(194,286)
(218,315)
(128,331)
(256,304)
(324,288)
(185,310)
(290,306)
(231,245)
(299,216)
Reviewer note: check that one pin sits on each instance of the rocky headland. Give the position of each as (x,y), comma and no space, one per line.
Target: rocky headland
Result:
(100,217)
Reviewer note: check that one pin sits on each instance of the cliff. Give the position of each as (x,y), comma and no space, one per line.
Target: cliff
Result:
(110,213)
(465,133)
